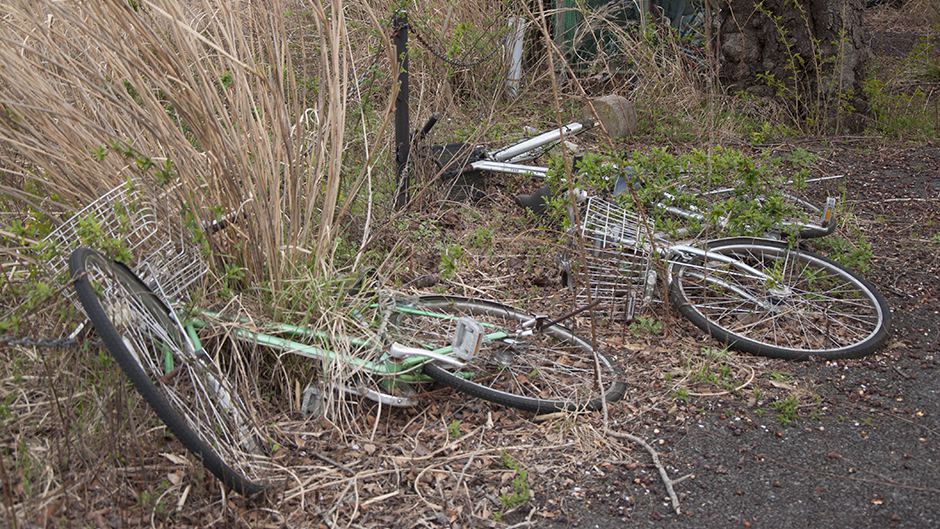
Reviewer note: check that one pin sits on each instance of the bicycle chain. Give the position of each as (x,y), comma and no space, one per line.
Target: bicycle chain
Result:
(442,57)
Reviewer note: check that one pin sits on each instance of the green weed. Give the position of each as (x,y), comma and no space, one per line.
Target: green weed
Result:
(482,238)
(855,254)
(150,499)
(753,202)
(451,257)
(520,484)
(899,115)
(646,326)
(786,409)
(712,369)
(682,395)
(453,429)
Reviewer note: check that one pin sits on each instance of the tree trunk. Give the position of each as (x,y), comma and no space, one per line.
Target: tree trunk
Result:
(812,53)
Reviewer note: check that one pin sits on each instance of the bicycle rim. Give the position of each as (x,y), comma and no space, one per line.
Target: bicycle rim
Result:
(810,306)
(549,371)
(184,387)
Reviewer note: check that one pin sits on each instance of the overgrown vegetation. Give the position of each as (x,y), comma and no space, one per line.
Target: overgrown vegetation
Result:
(279,116)
(724,191)
(899,94)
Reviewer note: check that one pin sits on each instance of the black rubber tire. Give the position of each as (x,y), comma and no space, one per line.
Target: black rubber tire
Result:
(874,341)
(615,391)
(78,264)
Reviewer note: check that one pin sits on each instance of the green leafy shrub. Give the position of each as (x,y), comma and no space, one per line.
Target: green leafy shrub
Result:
(898,114)
(751,202)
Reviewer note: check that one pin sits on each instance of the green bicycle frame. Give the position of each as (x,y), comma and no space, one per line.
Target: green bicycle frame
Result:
(385,366)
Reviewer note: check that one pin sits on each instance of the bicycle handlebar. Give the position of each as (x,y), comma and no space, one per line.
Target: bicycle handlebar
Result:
(428,125)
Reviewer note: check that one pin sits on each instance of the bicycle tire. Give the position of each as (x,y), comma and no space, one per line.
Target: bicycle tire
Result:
(534,379)
(800,302)
(131,319)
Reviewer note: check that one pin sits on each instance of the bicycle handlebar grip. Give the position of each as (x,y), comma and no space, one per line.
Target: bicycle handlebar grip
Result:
(428,125)
(537,202)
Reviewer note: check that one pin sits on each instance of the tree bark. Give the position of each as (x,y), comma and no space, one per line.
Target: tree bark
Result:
(811,51)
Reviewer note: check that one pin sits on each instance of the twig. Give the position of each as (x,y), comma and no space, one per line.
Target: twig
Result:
(667,481)
(383,497)
(526,523)
(551,416)
(333,462)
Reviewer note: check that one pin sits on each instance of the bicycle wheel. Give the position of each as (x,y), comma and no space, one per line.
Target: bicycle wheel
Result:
(551,370)
(183,386)
(811,307)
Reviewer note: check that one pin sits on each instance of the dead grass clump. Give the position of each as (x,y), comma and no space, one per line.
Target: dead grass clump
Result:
(215,95)
(916,16)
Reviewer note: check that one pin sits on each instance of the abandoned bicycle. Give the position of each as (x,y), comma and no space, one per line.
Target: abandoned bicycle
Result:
(764,296)
(478,347)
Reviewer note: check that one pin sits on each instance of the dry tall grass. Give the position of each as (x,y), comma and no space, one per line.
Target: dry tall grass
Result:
(253,107)
(246,106)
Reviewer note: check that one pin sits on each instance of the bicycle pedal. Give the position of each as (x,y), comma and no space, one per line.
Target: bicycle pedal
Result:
(467,338)
(311,406)
(398,350)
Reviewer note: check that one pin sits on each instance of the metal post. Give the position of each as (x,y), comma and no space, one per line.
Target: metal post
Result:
(402,121)
(515,40)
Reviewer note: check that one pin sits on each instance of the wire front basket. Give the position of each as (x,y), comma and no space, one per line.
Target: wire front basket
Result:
(123,223)
(616,257)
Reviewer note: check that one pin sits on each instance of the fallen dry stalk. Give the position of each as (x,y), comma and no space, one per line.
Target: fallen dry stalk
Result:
(667,481)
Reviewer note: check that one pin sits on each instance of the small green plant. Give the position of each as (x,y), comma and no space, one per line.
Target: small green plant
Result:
(233,276)
(520,493)
(6,407)
(99,153)
(756,395)
(27,466)
(453,429)
(150,499)
(646,326)
(924,59)
(482,238)
(451,257)
(226,80)
(682,395)
(712,368)
(935,240)
(754,206)
(165,174)
(767,132)
(854,254)
(786,409)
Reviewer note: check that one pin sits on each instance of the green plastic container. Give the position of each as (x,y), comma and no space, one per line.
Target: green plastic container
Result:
(580,44)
